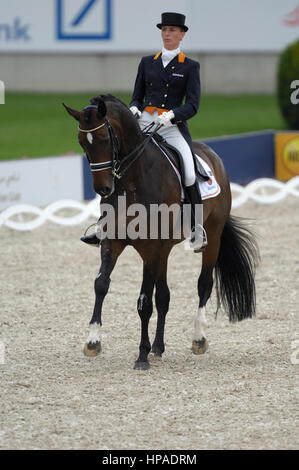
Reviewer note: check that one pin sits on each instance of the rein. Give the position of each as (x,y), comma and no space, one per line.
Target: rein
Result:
(140,148)
(116,163)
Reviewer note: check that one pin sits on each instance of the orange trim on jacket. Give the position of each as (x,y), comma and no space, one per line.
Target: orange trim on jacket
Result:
(181,57)
(152,109)
(157,55)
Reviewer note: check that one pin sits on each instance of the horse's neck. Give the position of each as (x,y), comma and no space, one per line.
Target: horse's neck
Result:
(131,145)
(131,138)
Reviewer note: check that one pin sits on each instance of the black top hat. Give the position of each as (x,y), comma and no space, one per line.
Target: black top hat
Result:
(172,19)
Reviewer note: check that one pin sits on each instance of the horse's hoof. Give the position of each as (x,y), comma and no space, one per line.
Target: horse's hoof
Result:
(155,352)
(139,365)
(156,355)
(200,346)
(92,349)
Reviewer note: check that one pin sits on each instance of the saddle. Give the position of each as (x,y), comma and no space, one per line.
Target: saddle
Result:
(176,158)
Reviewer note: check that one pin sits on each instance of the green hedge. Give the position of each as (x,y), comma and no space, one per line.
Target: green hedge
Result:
(288,71)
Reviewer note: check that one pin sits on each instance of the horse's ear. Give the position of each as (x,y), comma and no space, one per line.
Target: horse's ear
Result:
(102,109)
(75,114)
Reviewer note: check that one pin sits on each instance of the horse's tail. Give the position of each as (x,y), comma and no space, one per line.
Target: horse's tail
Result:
(235,270)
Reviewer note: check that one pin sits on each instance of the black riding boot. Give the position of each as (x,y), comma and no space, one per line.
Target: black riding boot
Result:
(198,238)
(93,238)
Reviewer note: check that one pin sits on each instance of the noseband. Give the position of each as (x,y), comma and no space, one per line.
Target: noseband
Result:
(115,163)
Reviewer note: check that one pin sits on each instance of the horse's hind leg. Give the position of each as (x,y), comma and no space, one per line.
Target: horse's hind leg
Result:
(204,288)
(110,251)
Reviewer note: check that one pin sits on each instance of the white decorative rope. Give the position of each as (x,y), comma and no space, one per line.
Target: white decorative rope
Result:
(263,190)
(258,191)
(86,210)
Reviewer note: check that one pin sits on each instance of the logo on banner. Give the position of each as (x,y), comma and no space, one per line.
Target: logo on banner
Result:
(290,156)
(83,19)
(286,155)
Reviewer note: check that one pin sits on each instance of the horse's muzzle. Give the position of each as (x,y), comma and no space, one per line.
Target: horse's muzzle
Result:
(104,191)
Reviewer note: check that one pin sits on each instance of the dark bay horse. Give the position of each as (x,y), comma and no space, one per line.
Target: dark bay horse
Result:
(124,163)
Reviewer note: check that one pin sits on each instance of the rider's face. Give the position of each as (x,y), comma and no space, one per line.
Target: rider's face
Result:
(172,36)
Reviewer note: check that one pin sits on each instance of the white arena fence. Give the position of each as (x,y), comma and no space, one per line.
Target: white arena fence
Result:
(262,190)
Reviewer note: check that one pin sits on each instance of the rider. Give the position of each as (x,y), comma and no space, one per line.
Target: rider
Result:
(162,82)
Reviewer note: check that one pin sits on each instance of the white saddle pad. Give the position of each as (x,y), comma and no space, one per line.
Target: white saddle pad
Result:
(208,188)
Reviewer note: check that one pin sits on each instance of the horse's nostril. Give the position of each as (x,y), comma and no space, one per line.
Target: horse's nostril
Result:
(104,191)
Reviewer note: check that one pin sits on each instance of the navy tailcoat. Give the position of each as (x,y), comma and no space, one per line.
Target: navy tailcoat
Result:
(167,87)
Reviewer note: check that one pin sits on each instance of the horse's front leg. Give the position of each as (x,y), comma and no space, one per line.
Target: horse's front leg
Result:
(162,298)
(145,310)
(110,251)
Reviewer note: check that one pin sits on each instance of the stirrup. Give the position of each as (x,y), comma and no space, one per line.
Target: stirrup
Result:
(198,239)
(93,238)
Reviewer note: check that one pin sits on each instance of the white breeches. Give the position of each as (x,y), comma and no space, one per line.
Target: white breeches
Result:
(172,135)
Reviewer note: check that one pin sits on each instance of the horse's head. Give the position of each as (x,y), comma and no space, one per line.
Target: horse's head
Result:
(97,138)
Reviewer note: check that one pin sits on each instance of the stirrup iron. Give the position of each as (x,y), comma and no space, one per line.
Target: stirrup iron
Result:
(198,239)
(91,239)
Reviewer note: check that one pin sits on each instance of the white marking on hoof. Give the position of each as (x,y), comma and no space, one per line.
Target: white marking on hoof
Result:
(94,333)
(89,138)
(200,324)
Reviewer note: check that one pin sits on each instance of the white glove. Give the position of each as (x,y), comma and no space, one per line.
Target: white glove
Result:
(135,111)
(165,118)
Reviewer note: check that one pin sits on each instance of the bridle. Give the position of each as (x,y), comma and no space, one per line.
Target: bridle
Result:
(116,164)
(115,147)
